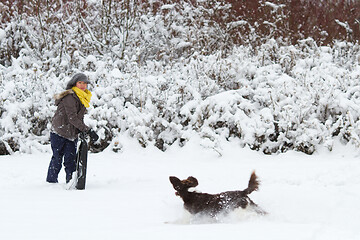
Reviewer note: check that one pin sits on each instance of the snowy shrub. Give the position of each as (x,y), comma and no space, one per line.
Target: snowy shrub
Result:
(252,96)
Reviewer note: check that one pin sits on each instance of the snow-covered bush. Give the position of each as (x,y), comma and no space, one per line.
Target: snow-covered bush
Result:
(273,99)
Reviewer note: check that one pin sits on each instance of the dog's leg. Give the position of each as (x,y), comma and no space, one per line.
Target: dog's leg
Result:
(257,209)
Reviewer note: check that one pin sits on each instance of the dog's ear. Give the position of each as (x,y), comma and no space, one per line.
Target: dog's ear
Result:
(190,182)
(175,182)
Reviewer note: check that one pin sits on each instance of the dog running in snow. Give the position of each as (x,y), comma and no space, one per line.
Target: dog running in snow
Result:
(214,204)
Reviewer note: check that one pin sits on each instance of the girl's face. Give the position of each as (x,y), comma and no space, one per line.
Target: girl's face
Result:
(81,85)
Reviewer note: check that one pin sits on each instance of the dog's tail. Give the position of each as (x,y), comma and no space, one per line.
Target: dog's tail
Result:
(253,184)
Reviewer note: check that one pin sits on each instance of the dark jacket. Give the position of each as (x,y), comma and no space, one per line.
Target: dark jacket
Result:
(68,120)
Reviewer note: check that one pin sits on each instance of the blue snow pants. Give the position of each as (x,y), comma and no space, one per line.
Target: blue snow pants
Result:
(62,148)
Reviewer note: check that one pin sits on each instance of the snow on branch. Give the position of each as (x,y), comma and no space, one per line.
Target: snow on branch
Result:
(345,25)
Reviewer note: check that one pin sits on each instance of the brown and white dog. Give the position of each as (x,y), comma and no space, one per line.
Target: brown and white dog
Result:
(213,204)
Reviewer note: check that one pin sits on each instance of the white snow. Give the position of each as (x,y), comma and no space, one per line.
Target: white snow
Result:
(2,34)
(344,25)
(168,6)
(128,195)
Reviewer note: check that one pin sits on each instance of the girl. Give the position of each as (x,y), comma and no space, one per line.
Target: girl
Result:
(67,122)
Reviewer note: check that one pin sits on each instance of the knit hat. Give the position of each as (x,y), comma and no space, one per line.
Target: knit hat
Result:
(77,78)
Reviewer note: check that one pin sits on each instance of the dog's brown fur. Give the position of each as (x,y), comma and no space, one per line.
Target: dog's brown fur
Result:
(213,204)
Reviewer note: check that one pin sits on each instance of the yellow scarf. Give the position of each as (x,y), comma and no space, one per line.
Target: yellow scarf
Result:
(84,96)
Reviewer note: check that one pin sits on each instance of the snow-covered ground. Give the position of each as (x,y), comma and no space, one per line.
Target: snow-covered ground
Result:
(128,195)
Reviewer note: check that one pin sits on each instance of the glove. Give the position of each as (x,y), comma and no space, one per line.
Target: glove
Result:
(93,136)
